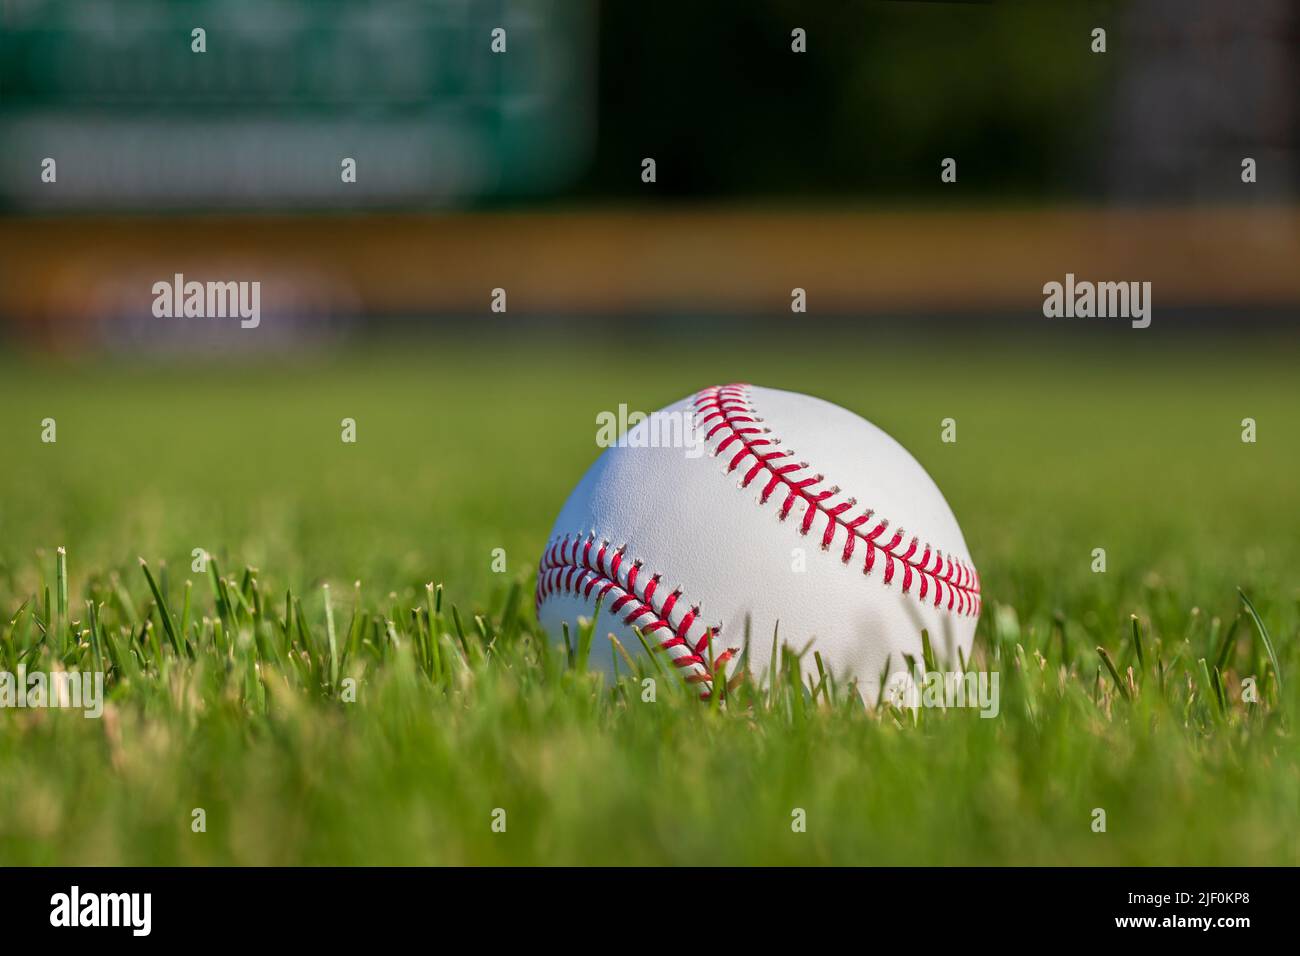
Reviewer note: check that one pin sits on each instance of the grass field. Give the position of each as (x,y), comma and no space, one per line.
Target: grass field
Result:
(231,702)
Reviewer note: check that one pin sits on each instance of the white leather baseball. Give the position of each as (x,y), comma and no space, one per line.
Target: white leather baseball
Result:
(797,511)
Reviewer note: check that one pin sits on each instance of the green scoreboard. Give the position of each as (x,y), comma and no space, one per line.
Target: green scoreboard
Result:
(195,104)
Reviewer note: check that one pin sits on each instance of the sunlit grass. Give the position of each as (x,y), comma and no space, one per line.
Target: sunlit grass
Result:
(385,718)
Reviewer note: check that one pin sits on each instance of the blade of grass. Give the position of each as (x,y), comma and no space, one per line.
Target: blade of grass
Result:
(61,587)
(1114,674)
(163,612)
(654,658)
(1137,641)
(1263,636)
(331,639)
(586,635)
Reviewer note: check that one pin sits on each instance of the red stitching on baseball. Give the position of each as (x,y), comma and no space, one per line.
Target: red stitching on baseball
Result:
(725,411)
(569,567)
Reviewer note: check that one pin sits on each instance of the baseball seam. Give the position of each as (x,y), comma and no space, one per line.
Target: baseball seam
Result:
(726,413)
(584,566)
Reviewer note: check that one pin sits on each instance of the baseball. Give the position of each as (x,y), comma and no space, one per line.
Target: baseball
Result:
(763,508)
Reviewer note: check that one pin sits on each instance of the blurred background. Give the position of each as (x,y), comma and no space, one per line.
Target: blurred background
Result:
(522,170)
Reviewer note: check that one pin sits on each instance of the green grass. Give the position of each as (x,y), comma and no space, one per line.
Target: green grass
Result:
(225,689)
